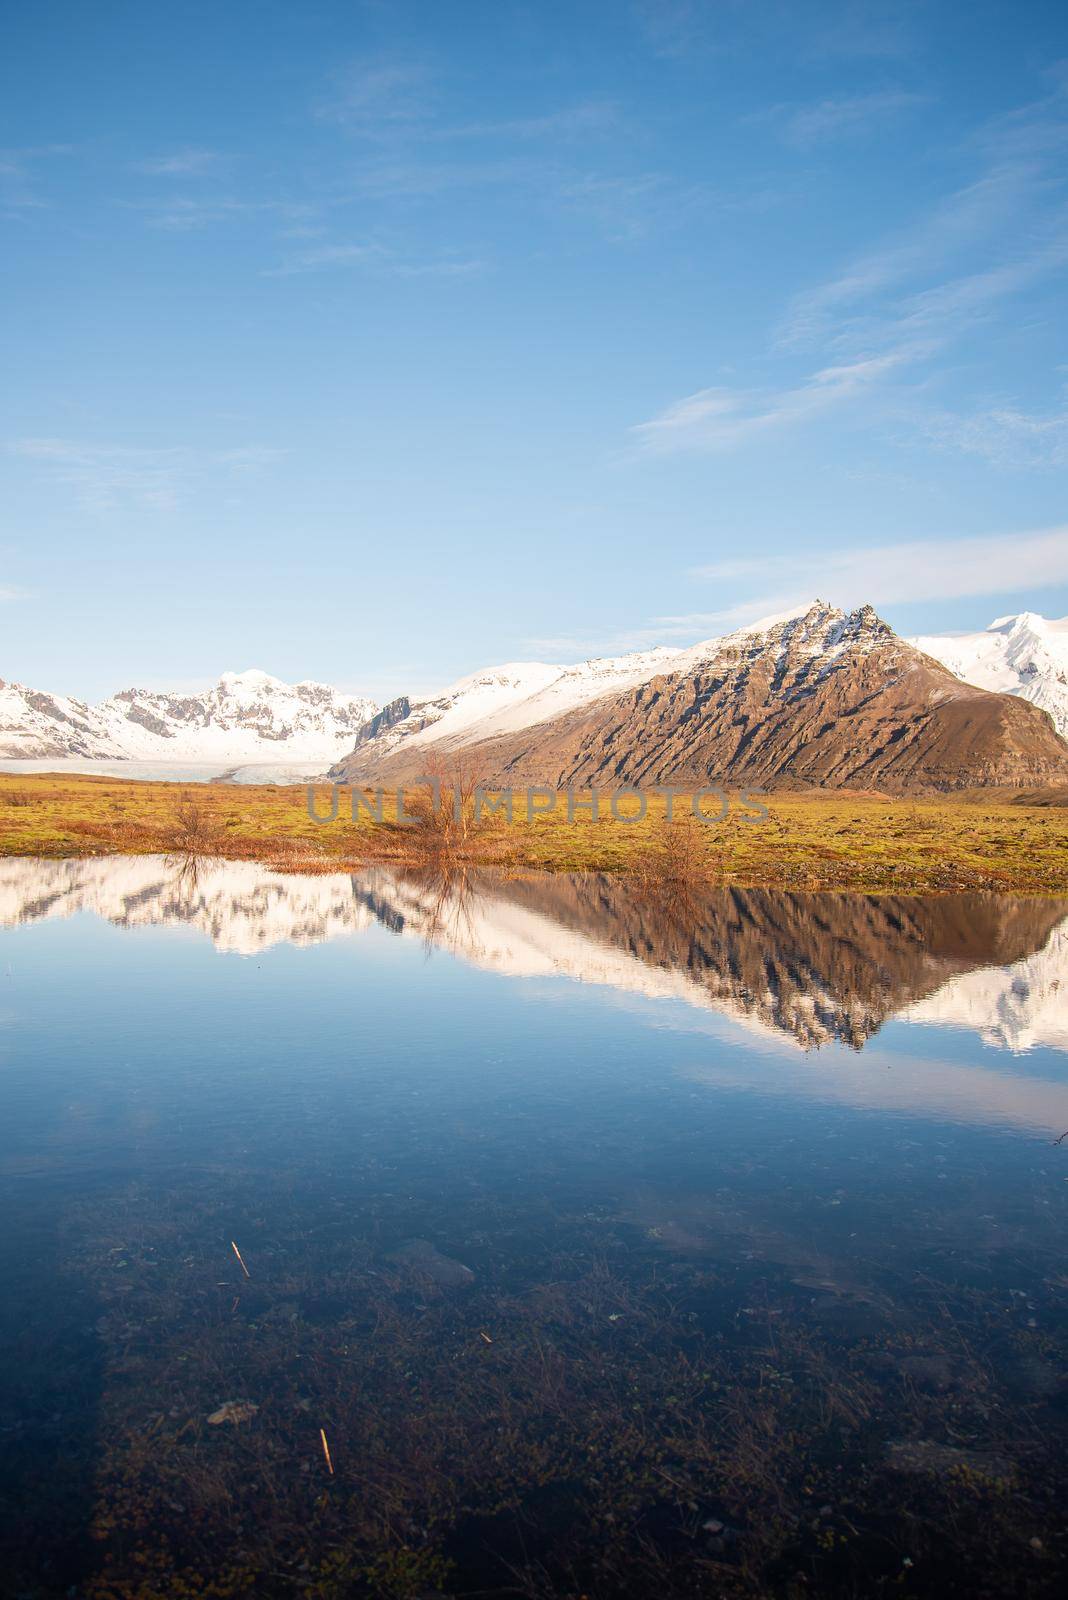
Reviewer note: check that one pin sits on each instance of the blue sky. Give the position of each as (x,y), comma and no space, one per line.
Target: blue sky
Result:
(373,342)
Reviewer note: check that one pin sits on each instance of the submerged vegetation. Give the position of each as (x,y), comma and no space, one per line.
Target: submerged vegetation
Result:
(809,841)
(673,1399)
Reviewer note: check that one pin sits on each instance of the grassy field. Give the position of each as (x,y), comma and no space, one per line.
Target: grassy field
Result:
(839,841)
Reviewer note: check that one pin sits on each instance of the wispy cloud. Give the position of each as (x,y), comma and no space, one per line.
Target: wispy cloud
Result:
(661,631)
(376,259)
(718,419)
(894,574)
(622,207)
(105,477)
(185,163)
(903,306)
(1035,130)
(437,269)
(856,302)
(1005,436)
(189,213)
(102,477)
(400,100)
(379,97)
(633,206)
(939,569)
(327,255)
(397,179)
(569,122)
(415,147)
(19,175)
(824,120)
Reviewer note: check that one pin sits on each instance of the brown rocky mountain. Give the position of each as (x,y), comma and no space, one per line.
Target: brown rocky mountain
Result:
(821,699)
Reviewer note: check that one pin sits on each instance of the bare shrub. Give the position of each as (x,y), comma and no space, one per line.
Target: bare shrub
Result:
(193,832)
(674,864)
(444,811)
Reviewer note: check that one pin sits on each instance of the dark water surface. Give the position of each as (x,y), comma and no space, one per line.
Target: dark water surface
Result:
(617,1249)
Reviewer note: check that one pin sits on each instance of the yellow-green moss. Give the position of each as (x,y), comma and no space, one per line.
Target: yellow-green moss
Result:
(825,841)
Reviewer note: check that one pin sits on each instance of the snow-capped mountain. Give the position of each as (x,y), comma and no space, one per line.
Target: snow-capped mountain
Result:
(522,694)
(252,720)
(245,717)
(35,724)
(506,698)
(816,697)
(1026,655)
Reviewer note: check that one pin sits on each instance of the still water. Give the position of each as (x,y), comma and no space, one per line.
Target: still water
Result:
(584,1245)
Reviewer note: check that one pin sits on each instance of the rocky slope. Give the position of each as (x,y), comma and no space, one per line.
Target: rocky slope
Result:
(818,698)
(245,717)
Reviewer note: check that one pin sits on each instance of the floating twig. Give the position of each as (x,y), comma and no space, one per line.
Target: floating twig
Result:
(240,1258)
(484,1335)
(326,1452)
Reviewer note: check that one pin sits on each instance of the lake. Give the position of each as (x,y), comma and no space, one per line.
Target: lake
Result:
(521,1236)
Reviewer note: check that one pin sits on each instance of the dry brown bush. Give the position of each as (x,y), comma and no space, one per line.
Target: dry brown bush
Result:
(444,809)
(674,864)
(194,830)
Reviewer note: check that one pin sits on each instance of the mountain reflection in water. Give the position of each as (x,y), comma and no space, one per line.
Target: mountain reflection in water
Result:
(813,968)
(623,1249)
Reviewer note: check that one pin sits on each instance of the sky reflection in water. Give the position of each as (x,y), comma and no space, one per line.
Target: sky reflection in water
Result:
(813,1125)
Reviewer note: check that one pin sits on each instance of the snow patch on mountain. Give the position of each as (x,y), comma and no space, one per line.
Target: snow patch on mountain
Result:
(35,724)
(1024,655)
(246,717)
(520,695)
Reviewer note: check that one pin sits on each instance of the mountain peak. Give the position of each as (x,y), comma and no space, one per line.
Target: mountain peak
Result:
(1025,655)
(816,697)
(778,619)
(808,617)
(253,679)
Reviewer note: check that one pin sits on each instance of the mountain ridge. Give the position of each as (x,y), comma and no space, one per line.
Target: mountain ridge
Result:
(245,716)
(815,698)
(536,720)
